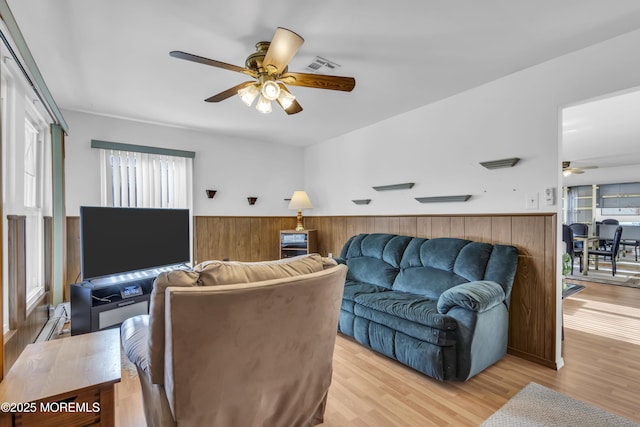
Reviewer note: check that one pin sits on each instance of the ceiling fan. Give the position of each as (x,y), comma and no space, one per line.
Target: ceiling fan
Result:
(269,68)
(568,170)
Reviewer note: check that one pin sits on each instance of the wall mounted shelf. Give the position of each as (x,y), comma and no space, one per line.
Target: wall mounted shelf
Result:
(403,186)
(502,163)
(443,199)
(362,201)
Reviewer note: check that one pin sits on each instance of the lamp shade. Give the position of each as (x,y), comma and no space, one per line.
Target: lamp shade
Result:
(300,200)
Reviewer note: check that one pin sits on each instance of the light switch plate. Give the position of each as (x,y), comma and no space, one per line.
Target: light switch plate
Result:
(532,201)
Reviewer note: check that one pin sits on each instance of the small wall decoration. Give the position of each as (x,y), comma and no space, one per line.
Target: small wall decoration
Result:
(252,200)
(211,193)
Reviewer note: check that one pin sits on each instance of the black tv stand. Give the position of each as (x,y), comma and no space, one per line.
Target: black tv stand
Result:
(108,301)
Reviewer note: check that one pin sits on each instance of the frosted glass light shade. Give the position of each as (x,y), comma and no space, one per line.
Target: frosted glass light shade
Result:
(270,90)
(248,93)
(263,105)
(286,99)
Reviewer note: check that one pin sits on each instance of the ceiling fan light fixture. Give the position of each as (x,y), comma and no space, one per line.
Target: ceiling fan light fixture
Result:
(263,105)
(286,99)
(270,90)
(248,94)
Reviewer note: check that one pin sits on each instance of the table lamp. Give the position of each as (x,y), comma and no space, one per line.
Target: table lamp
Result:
(300,201)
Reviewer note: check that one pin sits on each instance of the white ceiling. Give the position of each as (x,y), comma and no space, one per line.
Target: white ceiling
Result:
(604,133)
(111,57)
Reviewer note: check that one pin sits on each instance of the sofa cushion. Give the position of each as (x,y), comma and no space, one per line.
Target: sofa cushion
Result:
(354,288)
(472,260)
(415,308)
(372,270)
(387,247)
(427,281)
(441,253)
(229,272)
(421,332)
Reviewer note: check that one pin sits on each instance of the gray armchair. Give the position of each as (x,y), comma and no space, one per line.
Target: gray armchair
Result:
(258,353)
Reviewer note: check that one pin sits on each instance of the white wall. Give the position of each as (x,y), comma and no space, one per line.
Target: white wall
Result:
(235,168)
(440,145)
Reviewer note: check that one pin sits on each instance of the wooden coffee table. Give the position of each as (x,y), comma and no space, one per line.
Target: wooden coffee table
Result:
(67,382)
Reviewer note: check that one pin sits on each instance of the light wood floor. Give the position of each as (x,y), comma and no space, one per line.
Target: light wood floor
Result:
(602,367)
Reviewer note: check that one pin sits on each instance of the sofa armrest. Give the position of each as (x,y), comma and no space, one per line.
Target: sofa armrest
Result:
(478,296)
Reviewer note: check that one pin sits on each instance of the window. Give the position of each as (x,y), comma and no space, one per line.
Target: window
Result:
(31,169)
(33,172)
(26,153)
(145,180)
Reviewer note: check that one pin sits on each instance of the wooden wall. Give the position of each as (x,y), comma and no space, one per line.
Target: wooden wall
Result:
(532,325)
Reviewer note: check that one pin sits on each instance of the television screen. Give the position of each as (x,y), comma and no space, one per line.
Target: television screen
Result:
(119,240)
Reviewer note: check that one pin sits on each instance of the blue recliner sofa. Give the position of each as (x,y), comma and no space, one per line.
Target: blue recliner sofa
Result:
(440,306)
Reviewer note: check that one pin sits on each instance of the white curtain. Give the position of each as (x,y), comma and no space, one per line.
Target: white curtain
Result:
(131,179)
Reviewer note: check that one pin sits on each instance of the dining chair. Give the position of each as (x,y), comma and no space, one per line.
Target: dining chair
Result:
(579,229)
(608,221)
(613,252)
(567,238)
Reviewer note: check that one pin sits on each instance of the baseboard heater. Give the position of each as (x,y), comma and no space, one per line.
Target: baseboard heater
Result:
(55,324)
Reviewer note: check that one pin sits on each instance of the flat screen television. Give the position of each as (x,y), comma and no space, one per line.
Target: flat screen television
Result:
(121,240)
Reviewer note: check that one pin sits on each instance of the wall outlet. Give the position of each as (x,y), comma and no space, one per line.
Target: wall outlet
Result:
(532,201)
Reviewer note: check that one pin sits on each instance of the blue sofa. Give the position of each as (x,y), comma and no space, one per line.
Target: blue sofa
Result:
(440,306)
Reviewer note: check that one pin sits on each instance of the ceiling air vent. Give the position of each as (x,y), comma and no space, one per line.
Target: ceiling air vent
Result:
(322,65)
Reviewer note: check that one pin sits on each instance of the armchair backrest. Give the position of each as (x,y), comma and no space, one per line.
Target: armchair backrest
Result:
(254,354)
(217,273)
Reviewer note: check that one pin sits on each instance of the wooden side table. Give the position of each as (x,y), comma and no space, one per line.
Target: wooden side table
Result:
(298,242)
(65,382)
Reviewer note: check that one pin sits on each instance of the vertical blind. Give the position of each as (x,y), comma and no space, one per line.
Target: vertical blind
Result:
(145,180)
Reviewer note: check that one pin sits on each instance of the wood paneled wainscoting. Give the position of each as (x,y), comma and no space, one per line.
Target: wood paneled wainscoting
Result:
(532,327)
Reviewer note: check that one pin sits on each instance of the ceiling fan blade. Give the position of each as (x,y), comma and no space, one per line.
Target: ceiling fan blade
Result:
(228,93)
(294,108)
(212,62)
(320,81)
(283,47)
